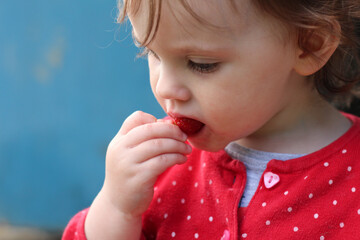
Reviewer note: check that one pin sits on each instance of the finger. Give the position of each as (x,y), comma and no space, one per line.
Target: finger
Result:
(159,146)
(138,118)
(157,165)
(156,130)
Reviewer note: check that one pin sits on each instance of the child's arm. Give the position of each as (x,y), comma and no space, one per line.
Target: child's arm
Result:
(143,149)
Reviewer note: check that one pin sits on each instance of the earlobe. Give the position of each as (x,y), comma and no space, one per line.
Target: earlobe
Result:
(317,50)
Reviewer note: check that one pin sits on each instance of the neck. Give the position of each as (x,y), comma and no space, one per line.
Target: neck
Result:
(300,128)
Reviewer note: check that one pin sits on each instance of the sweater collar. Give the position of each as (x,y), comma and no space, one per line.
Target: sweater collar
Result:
(349,140)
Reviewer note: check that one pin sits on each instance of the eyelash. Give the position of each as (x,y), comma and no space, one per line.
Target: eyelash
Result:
(203,67)
(197,67)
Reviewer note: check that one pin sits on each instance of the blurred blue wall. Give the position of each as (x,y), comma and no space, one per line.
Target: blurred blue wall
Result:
(68,79)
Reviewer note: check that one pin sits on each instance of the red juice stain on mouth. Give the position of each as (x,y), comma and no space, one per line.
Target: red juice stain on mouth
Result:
(187,125)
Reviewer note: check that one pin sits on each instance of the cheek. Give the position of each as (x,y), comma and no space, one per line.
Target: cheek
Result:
(153,75)
(221,103)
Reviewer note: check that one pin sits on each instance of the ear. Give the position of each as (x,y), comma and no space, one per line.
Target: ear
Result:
(320,46)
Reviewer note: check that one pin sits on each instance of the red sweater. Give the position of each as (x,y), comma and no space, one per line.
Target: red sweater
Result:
(316,196)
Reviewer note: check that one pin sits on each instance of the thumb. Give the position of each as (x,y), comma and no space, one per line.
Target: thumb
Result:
(136,119)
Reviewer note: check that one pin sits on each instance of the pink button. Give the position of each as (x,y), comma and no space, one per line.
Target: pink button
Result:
(271,179)
(226,235)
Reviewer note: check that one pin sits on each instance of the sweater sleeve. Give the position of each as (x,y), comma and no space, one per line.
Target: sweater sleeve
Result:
(75,230)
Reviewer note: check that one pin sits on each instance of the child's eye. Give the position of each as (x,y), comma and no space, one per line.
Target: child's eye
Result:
(195,66)
(203,67)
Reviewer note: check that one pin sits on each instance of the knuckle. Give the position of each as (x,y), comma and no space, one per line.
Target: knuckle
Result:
(158,143)
(163,158)
(138,113)
(169,159)
(148,127)
(133,116)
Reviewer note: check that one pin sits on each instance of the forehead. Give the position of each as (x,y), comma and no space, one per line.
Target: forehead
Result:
(205,16)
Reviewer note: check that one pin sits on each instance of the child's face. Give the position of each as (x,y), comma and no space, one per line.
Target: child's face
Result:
(236,79)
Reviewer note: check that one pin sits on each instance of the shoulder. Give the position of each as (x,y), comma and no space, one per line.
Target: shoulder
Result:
(352,136)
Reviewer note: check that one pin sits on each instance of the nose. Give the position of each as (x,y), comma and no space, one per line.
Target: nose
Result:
(172,85)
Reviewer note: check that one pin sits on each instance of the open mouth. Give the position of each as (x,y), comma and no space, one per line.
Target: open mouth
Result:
(188,125)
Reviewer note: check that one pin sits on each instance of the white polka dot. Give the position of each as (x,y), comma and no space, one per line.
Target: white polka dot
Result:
(204,164)
(311,195)
(286,193)
(326,164)
(331,181)
(202,201)
(196,184)
(159,200)
(341,225)
(196,235)
(267,222)
(358,211)
(155,188)
(244,235)
(305,177)
(353,189)
(217,201)
(344,151)
(334,202)
(263,204)
(188,217)
(349,168)
(296,229)
(174,183)
(183,200)
(290,209)
(166,215)
(76,233)
(211,219)
(173,234)
(227,220)
(316,216)
(322,238)
(210,182)
(190,168)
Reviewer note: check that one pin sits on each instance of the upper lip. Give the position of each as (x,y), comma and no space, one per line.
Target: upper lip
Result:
(175,115)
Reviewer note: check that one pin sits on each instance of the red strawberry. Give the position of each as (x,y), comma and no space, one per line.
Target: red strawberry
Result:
(187,125)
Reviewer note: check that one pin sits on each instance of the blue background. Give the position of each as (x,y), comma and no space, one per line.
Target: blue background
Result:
(68,78)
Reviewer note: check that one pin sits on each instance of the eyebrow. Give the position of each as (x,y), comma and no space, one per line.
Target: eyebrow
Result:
(197,49)
(219,51)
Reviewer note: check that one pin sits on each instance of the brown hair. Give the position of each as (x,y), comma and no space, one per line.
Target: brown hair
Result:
(339,80)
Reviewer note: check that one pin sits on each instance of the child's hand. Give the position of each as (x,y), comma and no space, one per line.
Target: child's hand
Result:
(143,148)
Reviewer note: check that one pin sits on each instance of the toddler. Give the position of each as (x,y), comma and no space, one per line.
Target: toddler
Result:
(253,148)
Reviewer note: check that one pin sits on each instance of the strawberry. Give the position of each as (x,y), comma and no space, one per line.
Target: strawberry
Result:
(187,125)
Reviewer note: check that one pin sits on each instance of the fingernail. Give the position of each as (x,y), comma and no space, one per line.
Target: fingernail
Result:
(189,148)
(169,121)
